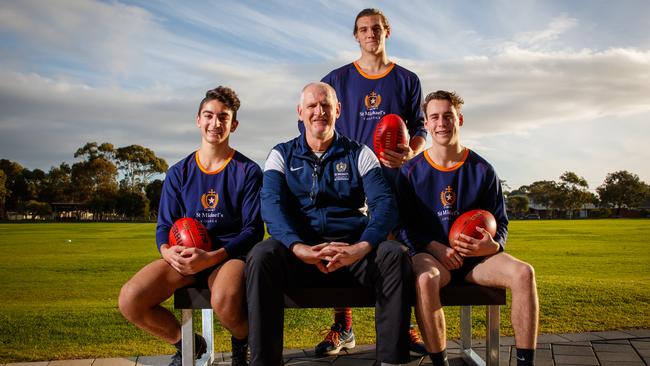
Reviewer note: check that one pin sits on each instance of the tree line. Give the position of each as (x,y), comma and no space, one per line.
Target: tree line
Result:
(620,190)
(91,186)
(111,183)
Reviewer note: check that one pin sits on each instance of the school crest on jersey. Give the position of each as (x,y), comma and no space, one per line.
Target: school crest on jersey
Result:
(209,200)
(447,196)
(372,100)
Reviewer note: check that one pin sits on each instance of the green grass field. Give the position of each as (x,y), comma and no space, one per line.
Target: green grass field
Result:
(58,294)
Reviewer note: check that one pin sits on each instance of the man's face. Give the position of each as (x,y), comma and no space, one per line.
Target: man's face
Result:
(215,122)
(319,110)
(443,122)
(371,34)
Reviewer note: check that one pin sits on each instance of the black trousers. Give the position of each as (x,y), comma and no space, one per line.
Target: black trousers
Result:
(271,268)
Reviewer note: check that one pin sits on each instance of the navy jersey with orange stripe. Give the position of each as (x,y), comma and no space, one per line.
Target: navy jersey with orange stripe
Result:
(226,201)
(432,197)
(365,99)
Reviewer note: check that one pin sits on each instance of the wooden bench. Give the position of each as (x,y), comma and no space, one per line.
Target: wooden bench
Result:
(465,295)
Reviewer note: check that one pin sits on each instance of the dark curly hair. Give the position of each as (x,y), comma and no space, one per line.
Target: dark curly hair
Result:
(226,96)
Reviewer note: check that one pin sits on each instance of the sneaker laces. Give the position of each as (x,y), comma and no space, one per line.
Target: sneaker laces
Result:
(414,335)
(331,335)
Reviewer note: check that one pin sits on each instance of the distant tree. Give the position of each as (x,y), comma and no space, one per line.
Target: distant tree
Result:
(25,187)
(4,193)
(153,191)
(34,181)
(102,204)
(593,199)
(96,174)
(543,193)
(523,190)
(11,168)
(518,204)
(57,186)
(132,204)
(138,164)
(622,188)
(92,150)
(572,192)
(15,184)
(92,177)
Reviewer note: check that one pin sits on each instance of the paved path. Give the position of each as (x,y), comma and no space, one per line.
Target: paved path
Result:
(624,348)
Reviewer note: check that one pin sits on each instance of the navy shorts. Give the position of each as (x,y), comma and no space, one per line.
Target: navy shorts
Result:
(458,275)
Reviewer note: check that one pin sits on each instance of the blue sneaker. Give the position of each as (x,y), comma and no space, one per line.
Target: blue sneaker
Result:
(335,340)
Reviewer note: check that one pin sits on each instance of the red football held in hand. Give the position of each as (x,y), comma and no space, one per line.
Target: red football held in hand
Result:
(390,131)
(467,223)
(189,232)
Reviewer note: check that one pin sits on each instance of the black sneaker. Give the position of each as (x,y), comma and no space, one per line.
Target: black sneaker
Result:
(239,352)
(335,340)
(200,347)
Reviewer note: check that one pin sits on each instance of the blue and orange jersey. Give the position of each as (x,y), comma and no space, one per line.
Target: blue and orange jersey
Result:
(226,201)
(431,197)
(365,99)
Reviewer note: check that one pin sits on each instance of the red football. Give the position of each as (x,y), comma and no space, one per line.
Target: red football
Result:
(467,223)
(189,232)
(389,132)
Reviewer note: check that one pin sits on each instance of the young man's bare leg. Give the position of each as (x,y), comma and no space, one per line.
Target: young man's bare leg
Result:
(430,277)
(227,289)
(504,270)
(141,296)
(228,300)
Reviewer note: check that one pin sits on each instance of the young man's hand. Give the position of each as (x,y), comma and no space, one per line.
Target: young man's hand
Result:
(472,247)
(189,261)
(171,254)
(396,158)
(404,153)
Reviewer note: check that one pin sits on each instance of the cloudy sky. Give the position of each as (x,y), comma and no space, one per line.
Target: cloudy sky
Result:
(549,86)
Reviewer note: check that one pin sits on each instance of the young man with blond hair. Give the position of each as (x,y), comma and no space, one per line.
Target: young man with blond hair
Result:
(435,188)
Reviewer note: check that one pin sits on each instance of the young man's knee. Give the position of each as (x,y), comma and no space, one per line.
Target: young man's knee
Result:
(429,282)
(228,308)
(524,273)
(127,300)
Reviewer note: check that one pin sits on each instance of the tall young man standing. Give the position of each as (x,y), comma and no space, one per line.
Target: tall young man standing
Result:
(369,88)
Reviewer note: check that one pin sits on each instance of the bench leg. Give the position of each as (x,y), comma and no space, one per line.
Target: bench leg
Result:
(492,340)
(208,333)
(187,336)
(469,356)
